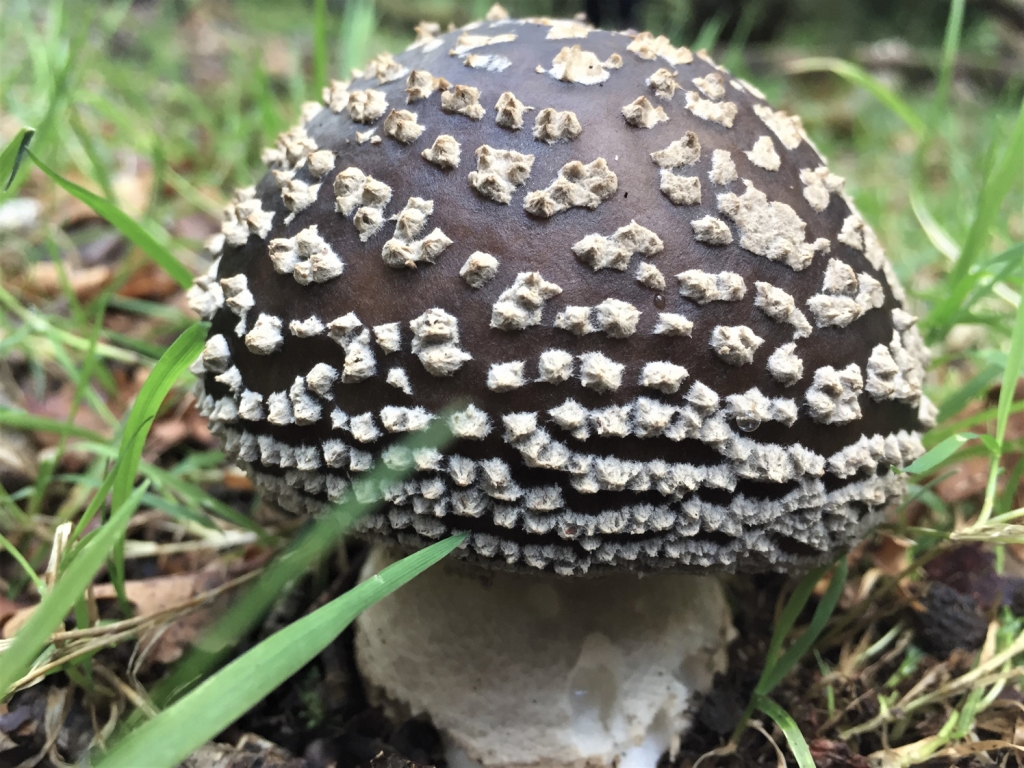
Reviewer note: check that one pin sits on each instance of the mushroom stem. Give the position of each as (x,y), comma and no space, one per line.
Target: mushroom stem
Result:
(524,669)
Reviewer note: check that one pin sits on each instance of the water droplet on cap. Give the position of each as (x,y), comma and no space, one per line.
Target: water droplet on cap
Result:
(747,423)
(659,301)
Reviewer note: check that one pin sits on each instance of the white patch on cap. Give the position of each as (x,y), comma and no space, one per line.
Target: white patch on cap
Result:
(471,423)
(499,172)
(388,336)
(462,100)
(402,126)
(321,378)
(663,376)
(363,428)
(852,232)
(641,113)
(398,419)
(554,366)
(763,154)
(711,231)
(420,84)
(770,229)
(265,337)
(467,42)
(320,163)
(297,195)
(789,128)
(306,256)
(552,126)
(462,470)
(250,406)
(426,33)
(366,106)
(574,65)
(577,186)
(305,408)
(480,268)
(832,397)
(647,46)
(521,304)
(435,341)
(600,373)
(364,136)
(711,85)
(216,355)
(572,417)
(510,111)
(723,169)
(663,84)
(224,410)
(360,362)
(339,419)
(502,377)
(308,328)
(231,378)
(399,379)
(403,249)
(238,298)
(751,408)
(575,319)
(444,152)
(205,297)
(681,152)
(735,344)
(279,409)
(290,150)
(818,184)
(491,63)
(650,276)
(361,198)
(672,324)
(385,68)
(721,112)
(335,95)
(845,296)
(245,216)
(612,421)
(616,318)
(703,287)
(564,29)
(680,190)
(614,252)
(781,307)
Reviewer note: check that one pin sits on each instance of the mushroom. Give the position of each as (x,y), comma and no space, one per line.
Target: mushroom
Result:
(666,343)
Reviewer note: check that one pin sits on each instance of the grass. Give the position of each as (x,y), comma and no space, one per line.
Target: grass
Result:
(150,116)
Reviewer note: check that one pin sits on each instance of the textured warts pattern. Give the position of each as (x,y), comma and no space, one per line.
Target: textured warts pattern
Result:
(670,339)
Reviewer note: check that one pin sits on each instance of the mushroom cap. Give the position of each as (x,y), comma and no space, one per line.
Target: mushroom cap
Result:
(668,337)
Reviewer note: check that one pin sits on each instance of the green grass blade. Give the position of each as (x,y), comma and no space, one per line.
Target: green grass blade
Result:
(225,696)
(859,77)
(1014,361)
(12,417)
(358,21)
(797,743)
(13,154)
(950,49)
(957,401)
(33,637)
(938,453)
(124,224)
(319,48)
(803,644)
(165,373)
(790,613)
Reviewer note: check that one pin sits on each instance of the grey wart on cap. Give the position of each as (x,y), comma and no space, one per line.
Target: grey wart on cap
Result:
(682,347)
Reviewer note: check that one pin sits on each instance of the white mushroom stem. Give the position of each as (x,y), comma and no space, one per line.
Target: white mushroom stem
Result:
(521,670)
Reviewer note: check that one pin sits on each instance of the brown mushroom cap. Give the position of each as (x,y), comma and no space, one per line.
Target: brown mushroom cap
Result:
(672,339)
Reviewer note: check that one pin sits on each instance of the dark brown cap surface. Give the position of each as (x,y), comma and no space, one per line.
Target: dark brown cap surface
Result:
(674,342)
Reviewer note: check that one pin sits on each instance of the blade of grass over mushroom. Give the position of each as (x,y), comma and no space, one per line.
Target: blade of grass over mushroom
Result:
(223,697)
(11,417)
(859,77)
(939,453)
(320,34)
(797,743)
(950,49)
(74,580)
(309,547)
(13,154)
(124,223)
(358,21)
